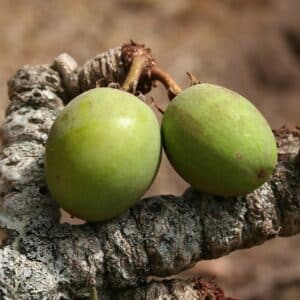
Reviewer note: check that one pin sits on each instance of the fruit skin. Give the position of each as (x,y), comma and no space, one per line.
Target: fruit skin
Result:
(218,141)
(102,153)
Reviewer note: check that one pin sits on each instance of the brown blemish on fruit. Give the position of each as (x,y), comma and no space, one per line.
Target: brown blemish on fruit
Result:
(238,156)
(262,173)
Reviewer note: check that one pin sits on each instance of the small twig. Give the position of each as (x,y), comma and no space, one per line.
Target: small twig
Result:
(158,107)
(169,83)
(161,110)
(194,80)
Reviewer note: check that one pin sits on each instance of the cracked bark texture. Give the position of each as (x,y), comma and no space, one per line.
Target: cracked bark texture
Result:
(162,235)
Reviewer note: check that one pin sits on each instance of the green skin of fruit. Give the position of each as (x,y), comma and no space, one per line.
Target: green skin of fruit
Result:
(102,153)
(218,141)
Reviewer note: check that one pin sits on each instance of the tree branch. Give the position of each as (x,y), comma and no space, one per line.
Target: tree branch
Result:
(160,236)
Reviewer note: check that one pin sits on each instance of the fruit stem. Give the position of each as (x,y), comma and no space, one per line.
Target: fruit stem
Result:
(143,71)
(169,83)
(136,69)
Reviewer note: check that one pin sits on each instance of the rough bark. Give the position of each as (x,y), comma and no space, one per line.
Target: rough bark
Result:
(162,235)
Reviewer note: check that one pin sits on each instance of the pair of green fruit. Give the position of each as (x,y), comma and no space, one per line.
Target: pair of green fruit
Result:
(104,149)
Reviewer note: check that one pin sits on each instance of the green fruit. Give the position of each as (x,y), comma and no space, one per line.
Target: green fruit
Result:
(218,141)
(102,153)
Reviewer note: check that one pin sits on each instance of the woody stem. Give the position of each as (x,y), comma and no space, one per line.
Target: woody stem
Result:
(135,71)
(169,83)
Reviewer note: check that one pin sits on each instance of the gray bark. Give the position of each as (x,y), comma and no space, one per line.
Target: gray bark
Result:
(162,235)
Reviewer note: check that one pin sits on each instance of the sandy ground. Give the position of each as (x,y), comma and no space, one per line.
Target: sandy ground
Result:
(252,47)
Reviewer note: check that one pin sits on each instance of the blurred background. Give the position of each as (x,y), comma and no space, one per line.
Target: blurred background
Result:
(251,46)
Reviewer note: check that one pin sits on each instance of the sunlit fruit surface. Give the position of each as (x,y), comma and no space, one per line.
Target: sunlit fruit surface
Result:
(102,153)
(218,141)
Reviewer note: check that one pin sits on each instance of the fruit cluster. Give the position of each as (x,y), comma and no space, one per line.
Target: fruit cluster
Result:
(104,149)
